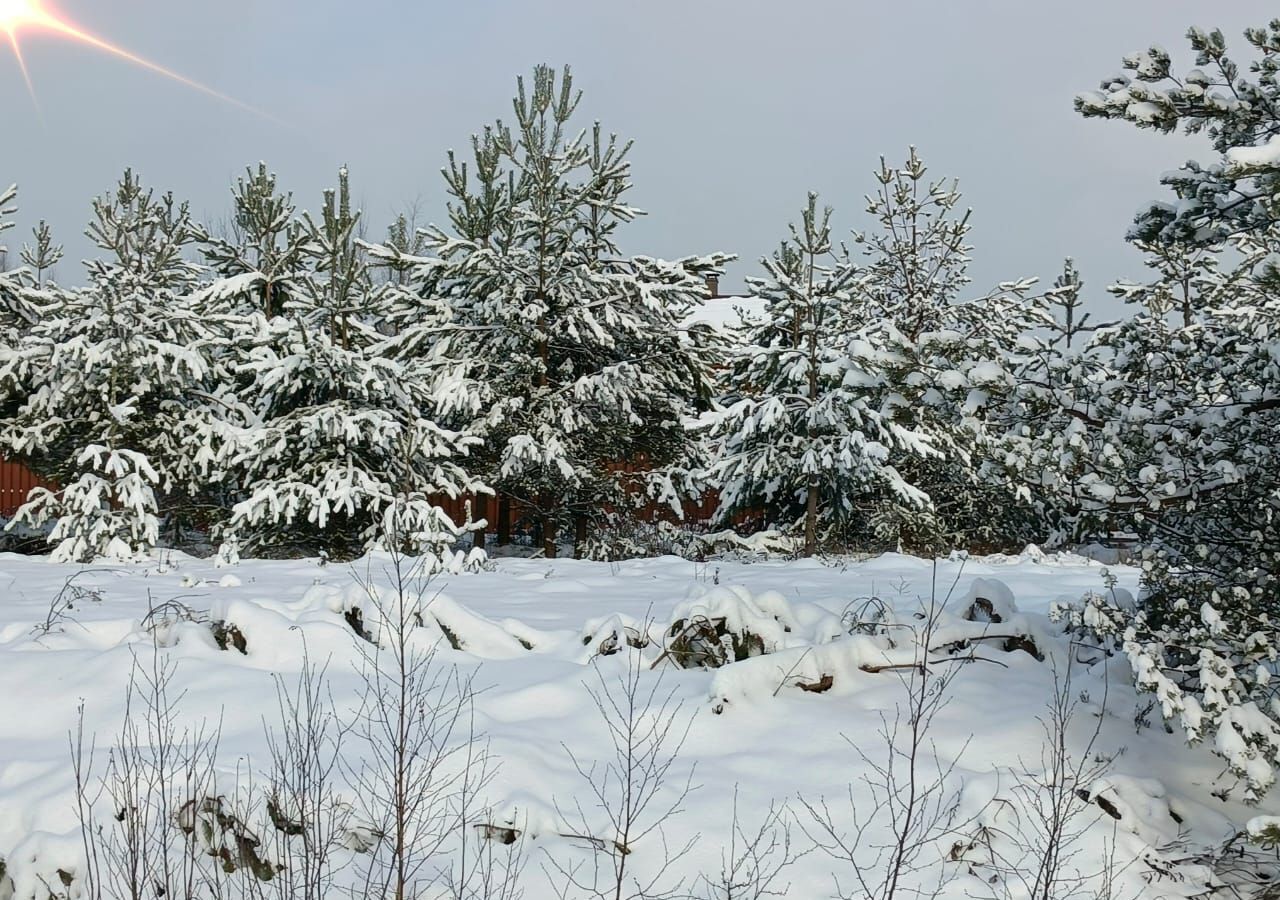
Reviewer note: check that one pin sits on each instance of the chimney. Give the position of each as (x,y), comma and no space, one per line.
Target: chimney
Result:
(713,286)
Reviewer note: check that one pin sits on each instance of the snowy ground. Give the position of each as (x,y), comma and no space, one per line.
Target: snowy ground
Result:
(752,729)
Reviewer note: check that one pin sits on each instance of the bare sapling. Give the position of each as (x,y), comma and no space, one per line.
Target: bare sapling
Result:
(148,820)
(1058,801)
(753,864)
(634,793)
(419,751)
(907,800)
(308,817)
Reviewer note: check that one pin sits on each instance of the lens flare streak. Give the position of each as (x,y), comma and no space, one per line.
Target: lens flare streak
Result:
(35,15)
(22,66)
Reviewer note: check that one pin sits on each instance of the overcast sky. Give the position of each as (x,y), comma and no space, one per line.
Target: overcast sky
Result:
(737,108)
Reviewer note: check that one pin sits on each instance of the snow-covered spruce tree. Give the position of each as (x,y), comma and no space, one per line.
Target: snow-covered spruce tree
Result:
(802,432)
(339,456)
(577,350)
(951,363)
(1180,416)
(106,386)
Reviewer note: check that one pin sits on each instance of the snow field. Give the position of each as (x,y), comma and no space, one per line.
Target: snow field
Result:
(534,635)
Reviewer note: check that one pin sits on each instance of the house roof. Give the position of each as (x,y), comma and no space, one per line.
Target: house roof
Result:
(727,311)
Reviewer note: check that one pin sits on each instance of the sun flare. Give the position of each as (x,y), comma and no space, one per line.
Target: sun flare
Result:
(16,13)
(36,15)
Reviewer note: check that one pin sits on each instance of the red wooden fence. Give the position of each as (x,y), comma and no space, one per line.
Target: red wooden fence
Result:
(16,481)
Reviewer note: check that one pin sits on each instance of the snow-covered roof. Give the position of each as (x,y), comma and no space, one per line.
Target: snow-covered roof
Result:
(727,312)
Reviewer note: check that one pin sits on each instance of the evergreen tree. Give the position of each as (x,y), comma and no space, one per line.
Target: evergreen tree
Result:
(338,445)
(1066,304)
(258,262)
(44,254)
(802,435)
(1176,410)
(8,207)
(1188,281)
(1173,430)
(1235,194)
(576,349)
(19,305)
(953,362)
(107,383)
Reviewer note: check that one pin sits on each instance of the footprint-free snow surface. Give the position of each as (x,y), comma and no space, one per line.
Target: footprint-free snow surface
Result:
(814,671)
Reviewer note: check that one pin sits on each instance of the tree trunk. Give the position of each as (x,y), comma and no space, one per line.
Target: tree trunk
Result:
(811,518)
(579,535)
(811,498)
(481,511)
(549,536)
(504,520)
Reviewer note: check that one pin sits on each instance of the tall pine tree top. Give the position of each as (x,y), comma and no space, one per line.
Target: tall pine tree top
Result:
(576,348)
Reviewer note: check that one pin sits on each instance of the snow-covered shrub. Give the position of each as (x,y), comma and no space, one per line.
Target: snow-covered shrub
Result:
(610,634)
(1208,658)
(728,624)
(638,540)
(430,620)
(621,537)
(1264,831)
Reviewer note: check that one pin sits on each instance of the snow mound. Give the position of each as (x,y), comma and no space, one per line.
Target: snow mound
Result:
(729,624)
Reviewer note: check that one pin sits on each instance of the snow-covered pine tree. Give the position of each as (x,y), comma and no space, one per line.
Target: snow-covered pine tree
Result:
(405,241)
(1188,280)
(19,307)
(261,254)
(1042,447)
(1180,415)
(1235,193)
(953,360)
(339,456)
(577,350)
(42,255)
(1070,322)
(8,207)
(424,293)
(105,385)
(1176,428)
(802,433)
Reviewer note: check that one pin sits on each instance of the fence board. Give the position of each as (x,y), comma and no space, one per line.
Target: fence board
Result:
(16,481)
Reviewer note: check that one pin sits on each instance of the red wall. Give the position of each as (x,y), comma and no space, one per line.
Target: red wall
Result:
(16,480)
